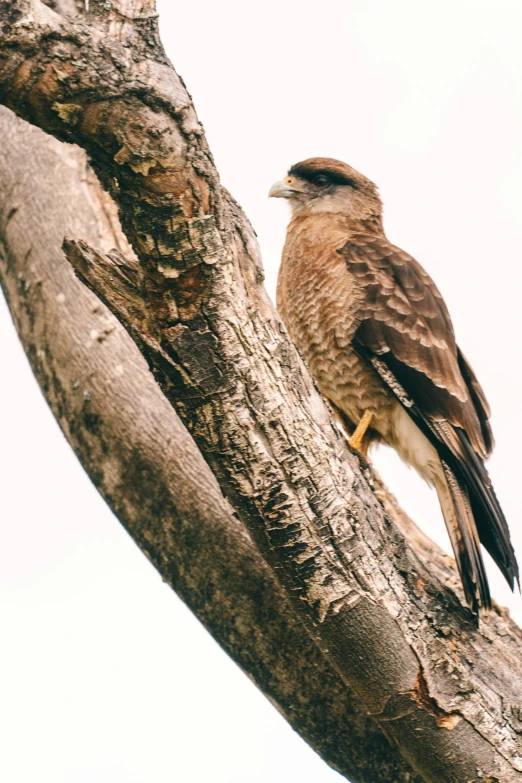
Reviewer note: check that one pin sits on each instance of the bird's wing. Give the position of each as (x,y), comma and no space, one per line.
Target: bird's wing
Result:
(406,333)
(407,325)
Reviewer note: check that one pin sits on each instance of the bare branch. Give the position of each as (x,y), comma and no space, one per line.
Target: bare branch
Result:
(397,637)
(143,460)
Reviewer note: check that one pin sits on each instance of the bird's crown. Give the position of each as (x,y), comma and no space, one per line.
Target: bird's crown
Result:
(336,171)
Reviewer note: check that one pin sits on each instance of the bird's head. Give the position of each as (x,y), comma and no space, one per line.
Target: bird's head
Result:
(324,185)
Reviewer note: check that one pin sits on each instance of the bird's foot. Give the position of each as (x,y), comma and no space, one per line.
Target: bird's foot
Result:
(356,442)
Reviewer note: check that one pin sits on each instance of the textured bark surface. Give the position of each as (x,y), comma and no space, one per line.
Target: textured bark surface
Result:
(383,615)
(142,459)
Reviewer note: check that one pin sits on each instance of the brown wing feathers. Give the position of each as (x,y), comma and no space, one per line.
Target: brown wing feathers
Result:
(479,401)
(407,334)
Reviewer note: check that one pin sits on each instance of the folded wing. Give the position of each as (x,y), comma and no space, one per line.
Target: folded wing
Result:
(407,335)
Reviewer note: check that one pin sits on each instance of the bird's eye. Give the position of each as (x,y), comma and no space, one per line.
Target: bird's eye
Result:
(320,181)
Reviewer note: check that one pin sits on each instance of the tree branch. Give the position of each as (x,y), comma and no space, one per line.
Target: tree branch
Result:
(445,692)
(142,459)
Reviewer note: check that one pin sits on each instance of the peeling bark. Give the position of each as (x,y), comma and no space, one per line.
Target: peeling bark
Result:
(380,610)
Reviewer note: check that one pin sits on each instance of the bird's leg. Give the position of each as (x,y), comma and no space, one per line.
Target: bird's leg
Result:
(356,441)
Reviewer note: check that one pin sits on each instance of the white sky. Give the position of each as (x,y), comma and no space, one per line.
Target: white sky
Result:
(104,675)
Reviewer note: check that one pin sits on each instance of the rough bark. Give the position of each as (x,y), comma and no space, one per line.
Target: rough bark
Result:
(142,459)
(131,443)
(447,693)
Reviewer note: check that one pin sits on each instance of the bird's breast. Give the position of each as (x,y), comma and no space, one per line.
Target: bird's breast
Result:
(316,295)
(320,304)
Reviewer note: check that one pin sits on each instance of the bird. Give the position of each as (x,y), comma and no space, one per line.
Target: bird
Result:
(377,337)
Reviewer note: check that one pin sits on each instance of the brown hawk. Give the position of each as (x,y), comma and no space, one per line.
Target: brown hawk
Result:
(377,337)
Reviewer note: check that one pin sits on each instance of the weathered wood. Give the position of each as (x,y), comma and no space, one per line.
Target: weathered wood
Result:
(142,459)
(448,694)
(47,190)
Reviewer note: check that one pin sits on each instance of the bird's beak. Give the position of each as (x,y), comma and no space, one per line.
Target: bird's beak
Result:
(282,189)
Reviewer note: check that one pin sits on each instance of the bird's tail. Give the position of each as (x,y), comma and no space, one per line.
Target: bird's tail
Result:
(460,522)
(491,523)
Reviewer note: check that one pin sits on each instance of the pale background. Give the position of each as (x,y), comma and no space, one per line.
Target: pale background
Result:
(104,675)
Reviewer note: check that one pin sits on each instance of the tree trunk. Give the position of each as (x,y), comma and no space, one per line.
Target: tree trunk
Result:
(397,653)
(142,459)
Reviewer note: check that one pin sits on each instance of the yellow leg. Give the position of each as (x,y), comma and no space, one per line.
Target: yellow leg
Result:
(356,441)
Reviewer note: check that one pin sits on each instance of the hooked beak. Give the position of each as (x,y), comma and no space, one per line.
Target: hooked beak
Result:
(282,189)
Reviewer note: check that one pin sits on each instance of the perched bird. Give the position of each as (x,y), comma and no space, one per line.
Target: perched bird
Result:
(377,337)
